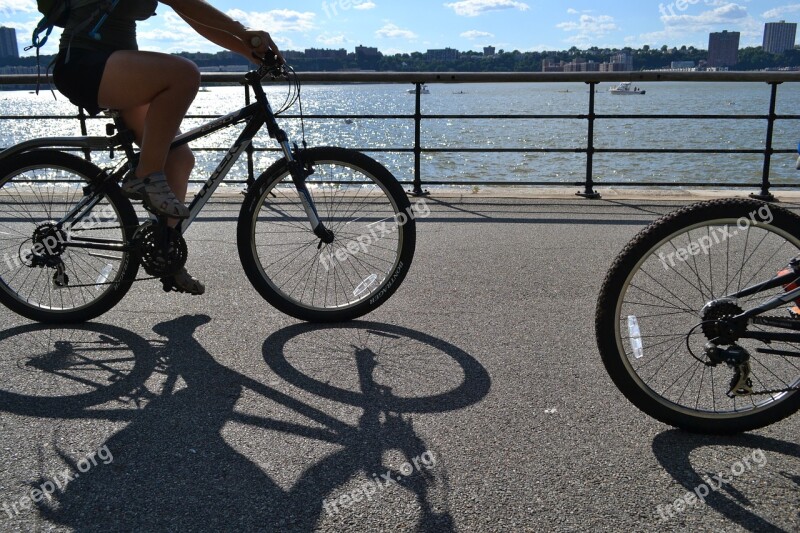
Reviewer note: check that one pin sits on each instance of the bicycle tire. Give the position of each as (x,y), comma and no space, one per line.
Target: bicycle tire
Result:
(30,199)
(299,275)
(663,278)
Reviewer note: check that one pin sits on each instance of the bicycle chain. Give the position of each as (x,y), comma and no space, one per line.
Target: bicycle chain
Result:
(110,282)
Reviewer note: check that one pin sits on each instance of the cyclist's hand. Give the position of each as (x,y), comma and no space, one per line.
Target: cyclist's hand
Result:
(263,48)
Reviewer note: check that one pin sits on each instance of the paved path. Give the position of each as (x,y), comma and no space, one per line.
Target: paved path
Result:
(479,383)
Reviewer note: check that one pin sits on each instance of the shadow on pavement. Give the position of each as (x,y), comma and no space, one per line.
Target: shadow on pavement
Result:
(681,455)
(173,470)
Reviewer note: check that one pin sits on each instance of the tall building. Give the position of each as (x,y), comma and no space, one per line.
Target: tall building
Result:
(446,54)
(779,36)
(723,49)
(8,43)
(623,58)
(489,50)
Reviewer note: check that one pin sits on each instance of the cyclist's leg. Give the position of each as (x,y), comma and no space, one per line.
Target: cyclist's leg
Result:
(178,167)
(165,84)
(180,161)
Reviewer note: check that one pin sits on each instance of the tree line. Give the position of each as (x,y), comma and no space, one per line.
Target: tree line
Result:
(645,58)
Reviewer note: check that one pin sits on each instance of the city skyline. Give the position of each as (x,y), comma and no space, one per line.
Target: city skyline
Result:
(464,24)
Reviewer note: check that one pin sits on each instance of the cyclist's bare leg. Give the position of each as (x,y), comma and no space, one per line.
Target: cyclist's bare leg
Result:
(179,163)
(164,85)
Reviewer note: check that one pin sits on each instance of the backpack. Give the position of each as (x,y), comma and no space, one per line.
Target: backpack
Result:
(56,13)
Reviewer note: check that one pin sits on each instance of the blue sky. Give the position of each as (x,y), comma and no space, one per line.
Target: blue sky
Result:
(414,25)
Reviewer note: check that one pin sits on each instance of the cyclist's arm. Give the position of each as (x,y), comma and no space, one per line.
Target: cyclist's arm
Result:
(222,30)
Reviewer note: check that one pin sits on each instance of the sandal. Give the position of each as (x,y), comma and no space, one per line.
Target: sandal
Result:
(183,282)
(154,192)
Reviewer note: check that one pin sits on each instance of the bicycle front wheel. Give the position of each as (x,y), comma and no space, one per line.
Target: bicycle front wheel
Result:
(374,230)
(661,302)
(53,265)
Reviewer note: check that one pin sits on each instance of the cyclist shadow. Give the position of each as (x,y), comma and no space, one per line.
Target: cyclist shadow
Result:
(172,469)
(673,449)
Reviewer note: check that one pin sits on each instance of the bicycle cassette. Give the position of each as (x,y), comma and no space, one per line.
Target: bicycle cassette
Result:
(162,249)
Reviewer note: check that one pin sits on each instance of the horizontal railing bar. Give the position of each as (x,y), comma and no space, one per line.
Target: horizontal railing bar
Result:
(482,77)
(455,117)
(506,183)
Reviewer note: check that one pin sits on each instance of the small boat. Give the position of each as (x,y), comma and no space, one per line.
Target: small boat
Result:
(423,90)
(625,88)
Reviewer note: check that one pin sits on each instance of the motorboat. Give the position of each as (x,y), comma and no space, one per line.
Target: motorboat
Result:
(625,88)
(423,90)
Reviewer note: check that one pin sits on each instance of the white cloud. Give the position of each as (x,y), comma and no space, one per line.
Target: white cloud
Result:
(476,34)
(17,6)
(275,21)
(391,31)
(473,8)
(332,40)
(724,14)
(365,5)
(588,29)
(781,12)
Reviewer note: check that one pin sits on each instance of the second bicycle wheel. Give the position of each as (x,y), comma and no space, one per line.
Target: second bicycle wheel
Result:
(45,272)
(663,299)
(374,230)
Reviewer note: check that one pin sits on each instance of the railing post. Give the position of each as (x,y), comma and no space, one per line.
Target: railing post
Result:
(589,191)
(765,194)
(417,191)
(87,154)
(249,150)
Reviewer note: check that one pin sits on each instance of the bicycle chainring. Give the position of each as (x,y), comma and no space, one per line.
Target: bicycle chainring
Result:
(162,249)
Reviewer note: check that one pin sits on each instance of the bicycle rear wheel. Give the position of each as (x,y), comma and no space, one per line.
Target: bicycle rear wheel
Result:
(45,274)
(374,237)
(653,320)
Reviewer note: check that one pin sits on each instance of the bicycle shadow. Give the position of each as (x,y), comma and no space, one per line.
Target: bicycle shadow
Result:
(673,449)
(172,469)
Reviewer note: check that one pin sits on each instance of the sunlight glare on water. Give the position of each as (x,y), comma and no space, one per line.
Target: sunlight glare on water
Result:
(353,100)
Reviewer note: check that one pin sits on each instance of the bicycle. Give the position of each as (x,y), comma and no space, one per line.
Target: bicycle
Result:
(683,320)
(325,234)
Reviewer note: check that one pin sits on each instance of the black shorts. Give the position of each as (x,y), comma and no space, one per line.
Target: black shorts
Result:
(79,78)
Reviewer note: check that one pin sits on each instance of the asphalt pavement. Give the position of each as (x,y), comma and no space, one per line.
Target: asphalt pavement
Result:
(473,400)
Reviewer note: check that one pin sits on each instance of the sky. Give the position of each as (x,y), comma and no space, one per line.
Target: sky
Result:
(396,26)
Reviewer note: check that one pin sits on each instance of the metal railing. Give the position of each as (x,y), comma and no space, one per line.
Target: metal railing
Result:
(772,79)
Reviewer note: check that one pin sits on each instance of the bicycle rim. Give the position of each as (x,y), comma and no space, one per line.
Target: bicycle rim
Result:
(41,271)
(662,303)
(369,226)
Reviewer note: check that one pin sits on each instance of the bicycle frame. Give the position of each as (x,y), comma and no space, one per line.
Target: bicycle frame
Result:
(256,115)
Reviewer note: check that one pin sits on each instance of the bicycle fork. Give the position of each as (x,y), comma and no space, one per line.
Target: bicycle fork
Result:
(299,174)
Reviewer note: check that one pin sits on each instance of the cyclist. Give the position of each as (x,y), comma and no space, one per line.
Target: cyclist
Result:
(151,90)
